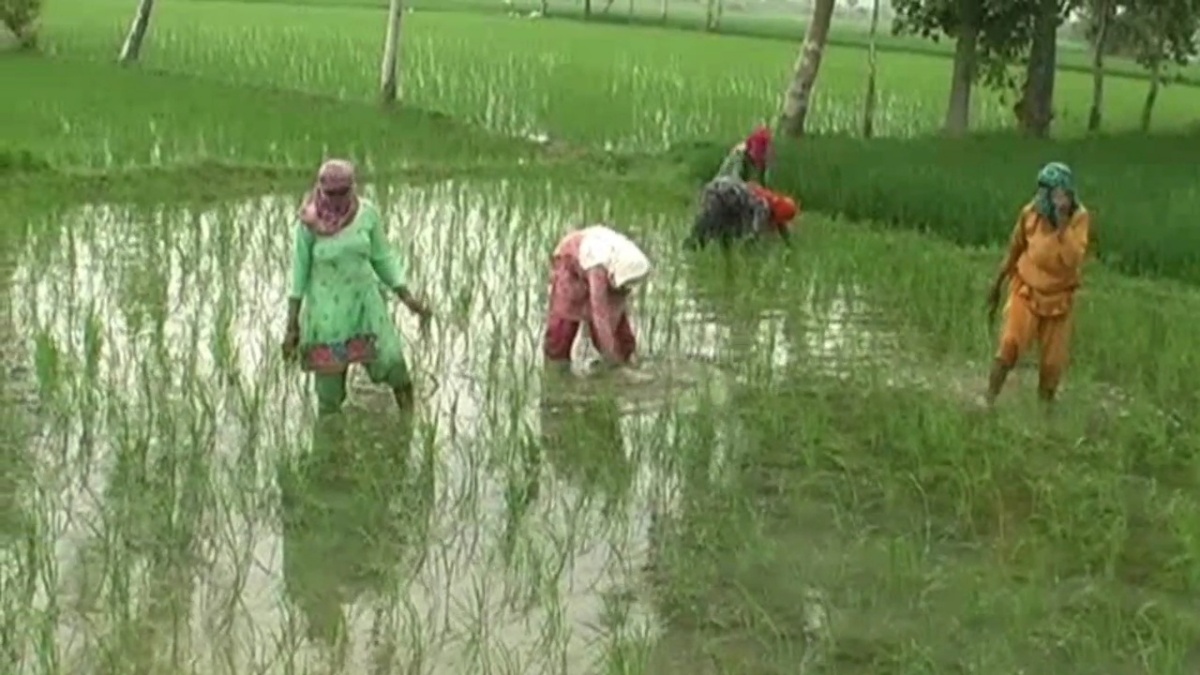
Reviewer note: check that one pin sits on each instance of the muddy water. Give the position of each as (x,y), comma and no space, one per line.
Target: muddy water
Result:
(192,515)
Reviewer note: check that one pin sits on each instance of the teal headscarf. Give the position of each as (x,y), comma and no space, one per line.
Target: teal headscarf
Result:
(1054,175)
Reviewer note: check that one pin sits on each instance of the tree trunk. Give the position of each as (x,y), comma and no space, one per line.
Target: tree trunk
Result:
(720,14)
(1152,92)
(545,11)
(962,74)
(389,80)
(872,70)
(631,11)
(587,9)
(132,48)
(1104,16)
(665,5)
(1036,107)
(710,15)
(808,65)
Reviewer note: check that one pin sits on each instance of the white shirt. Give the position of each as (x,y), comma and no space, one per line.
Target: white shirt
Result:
(602,246)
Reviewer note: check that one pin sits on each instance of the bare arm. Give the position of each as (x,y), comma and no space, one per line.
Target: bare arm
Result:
(785,233)
(604,320)
(390,270)
(410,301)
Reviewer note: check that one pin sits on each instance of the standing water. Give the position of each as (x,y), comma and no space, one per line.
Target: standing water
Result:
(186,513)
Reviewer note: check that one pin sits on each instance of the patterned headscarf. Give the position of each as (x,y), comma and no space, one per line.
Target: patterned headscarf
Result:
(333,201)
(1053,176)
(758,147)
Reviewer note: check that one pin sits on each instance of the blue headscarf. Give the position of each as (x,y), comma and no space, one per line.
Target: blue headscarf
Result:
(1054,175)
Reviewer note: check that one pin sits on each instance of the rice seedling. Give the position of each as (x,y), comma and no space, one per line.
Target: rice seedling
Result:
(573,85)
(778,22)
(804,482)
(93,116)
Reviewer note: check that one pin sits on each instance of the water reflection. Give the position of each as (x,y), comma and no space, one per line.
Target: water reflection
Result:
(582,440)
(14,394)
(171,418)
(355,515)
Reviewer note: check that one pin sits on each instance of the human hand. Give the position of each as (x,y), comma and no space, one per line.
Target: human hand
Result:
(993,303)
(291,342)
(424,316)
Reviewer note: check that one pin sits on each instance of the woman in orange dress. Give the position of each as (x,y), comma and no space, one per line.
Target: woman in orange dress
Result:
(1043,268)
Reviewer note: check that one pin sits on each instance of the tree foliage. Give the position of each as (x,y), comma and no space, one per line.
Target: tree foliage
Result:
(1149,31)
(1005,28)
(22,18)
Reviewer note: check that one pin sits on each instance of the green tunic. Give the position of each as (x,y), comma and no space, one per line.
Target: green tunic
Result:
(738,165)
(345,316)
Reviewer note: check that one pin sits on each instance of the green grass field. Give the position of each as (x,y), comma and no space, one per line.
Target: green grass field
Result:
(781,21)
(806,485)
(673,84)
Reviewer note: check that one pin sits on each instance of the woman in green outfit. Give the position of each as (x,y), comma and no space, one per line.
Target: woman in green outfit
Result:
(336,313)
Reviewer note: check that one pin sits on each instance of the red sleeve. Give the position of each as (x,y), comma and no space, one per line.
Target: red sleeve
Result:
(604,319)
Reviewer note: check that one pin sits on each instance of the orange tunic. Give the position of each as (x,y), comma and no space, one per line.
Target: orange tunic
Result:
(1045,266)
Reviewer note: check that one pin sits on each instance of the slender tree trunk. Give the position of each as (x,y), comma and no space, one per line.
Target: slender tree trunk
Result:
(665,6)
(607,6)
(872,72)
(1155,84)
(587,9)
(1104,16)
(1036,108)
(132,48)
(798,98)
(545,10)
(720,14)
(962,74)
(631,11)
(389,77)
(710,15)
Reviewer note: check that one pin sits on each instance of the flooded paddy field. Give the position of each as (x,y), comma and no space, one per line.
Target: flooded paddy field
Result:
(800,482)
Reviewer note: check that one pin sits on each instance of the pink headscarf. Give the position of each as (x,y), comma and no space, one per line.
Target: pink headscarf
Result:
(758,147)
(333,202)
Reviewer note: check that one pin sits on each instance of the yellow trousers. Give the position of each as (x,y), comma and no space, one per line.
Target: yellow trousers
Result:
(1048,319)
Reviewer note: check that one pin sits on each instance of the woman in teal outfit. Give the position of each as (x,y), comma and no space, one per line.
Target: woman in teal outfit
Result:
(337,315)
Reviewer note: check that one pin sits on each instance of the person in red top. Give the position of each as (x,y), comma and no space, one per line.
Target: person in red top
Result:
(750,159)
(783,209)
(732,210)
(592,273)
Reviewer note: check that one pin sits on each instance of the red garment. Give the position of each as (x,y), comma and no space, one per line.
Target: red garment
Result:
(783,208)
(560,337)
(577,296)
(758,147)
